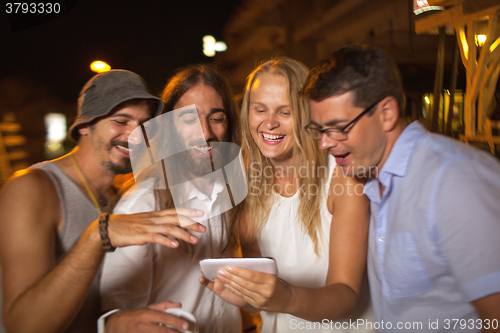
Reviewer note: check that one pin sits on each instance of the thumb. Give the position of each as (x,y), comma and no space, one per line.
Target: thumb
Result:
(207,283)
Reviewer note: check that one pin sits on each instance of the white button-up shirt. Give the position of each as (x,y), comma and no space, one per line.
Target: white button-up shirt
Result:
(136,276)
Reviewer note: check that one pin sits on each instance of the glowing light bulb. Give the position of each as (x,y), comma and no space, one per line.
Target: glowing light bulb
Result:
(99,66)
(480,40)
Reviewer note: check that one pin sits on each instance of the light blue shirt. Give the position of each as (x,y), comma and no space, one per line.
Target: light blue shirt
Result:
(434,241)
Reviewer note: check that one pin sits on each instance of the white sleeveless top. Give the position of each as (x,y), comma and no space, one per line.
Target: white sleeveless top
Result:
(283,239)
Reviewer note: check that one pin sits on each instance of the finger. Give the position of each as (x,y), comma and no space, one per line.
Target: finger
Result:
(241,286)
(216,286)
(181,211)
(165,319)
(241,275)
(247,274)
(187,223)
(242,293)
(173,231)
(164,305)
(207,283)
(160,240)
(189,212)
(180,220)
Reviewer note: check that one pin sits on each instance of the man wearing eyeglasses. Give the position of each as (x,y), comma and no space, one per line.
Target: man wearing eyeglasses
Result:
(433,254)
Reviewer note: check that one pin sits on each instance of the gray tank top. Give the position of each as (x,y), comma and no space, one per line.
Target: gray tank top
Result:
(78,213)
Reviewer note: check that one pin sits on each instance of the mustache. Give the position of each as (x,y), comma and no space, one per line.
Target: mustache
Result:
(200,142)
(115,142)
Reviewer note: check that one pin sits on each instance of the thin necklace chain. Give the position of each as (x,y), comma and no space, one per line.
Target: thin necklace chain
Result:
(102,200)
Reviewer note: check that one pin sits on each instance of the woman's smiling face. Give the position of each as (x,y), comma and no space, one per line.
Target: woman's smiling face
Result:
(270,118)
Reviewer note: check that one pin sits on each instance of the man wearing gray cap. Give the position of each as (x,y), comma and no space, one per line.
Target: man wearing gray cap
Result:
(54,216)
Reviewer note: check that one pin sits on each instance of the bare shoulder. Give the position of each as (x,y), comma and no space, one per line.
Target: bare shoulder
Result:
(29,215)
(29,184)
(345,190)
(28,193)
(29,176)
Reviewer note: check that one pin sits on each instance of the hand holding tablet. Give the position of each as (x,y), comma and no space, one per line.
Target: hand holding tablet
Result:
(211,267)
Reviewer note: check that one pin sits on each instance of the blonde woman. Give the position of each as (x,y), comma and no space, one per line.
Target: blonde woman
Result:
(300,210)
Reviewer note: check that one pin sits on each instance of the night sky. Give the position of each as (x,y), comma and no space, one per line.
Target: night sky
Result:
(151,38)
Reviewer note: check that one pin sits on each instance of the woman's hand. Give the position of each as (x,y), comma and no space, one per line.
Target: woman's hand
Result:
(262,291)
(217,287)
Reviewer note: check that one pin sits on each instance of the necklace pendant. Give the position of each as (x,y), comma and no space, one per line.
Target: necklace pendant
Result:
(103,201)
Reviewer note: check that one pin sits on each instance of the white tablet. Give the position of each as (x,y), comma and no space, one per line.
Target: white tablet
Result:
(211,267)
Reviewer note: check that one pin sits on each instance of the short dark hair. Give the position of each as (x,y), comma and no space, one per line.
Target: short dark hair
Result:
(369,73)
(187,77)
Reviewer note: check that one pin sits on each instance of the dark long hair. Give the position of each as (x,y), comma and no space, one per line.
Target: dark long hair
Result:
(187,77)
(181,81)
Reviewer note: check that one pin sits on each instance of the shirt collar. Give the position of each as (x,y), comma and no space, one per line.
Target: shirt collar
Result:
(189,191)
(397,162)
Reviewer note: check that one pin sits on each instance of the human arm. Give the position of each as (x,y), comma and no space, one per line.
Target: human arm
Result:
(38,291)
(488,308)
(347,260)
(466,227)
(249,249)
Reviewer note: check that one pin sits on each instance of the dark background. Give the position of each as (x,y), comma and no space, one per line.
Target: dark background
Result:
(152,38)
(45,59)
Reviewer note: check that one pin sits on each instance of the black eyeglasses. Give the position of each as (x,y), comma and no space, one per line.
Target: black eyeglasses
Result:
(338,134)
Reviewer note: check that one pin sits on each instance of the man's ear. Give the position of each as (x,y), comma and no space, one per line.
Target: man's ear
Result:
(84,129)
(390,113)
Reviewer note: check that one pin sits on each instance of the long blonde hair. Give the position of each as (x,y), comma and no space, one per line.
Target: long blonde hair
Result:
(305,153)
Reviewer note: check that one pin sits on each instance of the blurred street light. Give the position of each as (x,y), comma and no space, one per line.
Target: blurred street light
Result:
(480,40)
(99,66)
(210,46)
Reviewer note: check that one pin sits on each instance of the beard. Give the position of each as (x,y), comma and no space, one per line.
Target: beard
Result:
(123,166)
(199,166)
(189,164)
(119,168)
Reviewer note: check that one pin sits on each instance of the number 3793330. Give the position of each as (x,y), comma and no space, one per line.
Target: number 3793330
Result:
(32,8)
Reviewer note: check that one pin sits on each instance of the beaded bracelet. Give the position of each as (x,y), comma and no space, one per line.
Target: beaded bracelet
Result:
(103,231)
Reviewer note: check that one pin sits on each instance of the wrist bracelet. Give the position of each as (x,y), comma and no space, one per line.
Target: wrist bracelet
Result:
(250,329)
(103,231)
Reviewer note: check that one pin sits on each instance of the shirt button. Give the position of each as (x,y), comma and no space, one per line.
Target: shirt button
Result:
(381,239)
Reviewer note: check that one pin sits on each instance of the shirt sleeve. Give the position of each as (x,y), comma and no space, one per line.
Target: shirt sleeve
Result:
(467,223)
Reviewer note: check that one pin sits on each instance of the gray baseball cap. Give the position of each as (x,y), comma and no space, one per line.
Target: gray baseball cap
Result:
(102,93)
